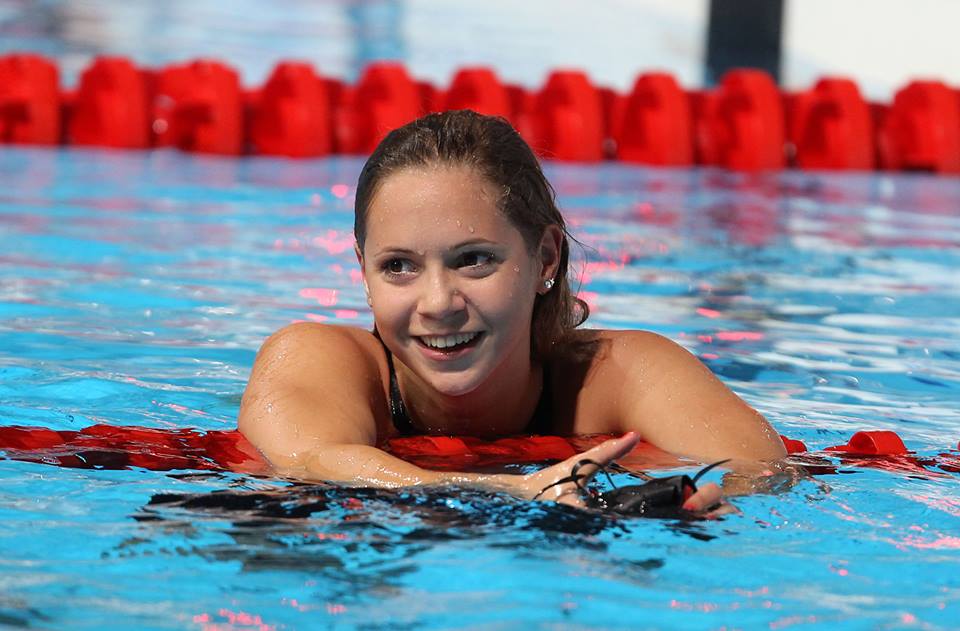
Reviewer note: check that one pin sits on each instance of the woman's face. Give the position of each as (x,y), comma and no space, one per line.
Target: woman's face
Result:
(451,281)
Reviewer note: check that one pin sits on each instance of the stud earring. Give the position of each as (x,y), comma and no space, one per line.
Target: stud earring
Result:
(548,284)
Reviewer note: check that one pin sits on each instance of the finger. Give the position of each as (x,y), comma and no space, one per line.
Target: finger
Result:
(609,450)
(571,497)
(723,509)
(706,496)
(570,492)
(603,454)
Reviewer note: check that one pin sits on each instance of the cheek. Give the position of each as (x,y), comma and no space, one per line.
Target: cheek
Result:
(388,303)
(511,297)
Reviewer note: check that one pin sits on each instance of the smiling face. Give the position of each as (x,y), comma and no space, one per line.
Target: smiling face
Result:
(452,282)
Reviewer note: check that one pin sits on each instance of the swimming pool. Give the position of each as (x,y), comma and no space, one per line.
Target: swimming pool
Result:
(136,287)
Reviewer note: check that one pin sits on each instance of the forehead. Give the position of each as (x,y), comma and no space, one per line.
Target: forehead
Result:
(436,202)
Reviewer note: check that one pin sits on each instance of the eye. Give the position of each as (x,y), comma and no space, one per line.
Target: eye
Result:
(476,259)
(398,267)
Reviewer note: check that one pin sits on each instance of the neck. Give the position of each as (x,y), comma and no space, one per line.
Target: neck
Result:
(499,408)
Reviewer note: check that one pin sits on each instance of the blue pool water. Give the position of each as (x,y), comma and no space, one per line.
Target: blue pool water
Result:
(135,289)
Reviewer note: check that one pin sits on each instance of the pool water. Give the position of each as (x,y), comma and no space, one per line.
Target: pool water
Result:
(135,289)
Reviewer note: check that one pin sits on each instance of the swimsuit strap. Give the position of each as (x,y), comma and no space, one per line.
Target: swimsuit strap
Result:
(398,411)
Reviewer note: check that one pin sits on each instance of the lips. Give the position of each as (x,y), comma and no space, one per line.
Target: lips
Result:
(449,343)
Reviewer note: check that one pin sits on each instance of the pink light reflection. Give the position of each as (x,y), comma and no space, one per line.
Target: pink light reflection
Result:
(234,621)
(739,336)
(325,297)
(334,242)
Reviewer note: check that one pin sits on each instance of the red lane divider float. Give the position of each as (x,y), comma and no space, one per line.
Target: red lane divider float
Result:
(292,115)
(746,123)
(830,127)
(29,100)
(121,447)
(112,106)
(921,129)
(199,107)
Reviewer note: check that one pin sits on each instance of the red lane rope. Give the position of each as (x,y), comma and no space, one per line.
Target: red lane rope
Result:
(122,447)
(746,123)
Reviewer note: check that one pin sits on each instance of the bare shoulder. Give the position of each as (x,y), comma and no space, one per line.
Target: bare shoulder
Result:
(613,354)
(641,381)
(311,341)
(641,351)
(314,383)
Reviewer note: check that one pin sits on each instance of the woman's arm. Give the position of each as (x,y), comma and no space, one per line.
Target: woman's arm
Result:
(676,403)
(316,404)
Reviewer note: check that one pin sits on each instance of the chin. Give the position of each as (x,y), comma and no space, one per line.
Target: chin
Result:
(453,387)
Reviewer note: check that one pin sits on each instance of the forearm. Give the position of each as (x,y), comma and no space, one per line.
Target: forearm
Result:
(750,477)
(370,466)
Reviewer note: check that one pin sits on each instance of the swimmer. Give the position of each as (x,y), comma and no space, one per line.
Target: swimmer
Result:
(464,256)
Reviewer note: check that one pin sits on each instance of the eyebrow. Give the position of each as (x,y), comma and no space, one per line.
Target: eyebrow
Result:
(459,246)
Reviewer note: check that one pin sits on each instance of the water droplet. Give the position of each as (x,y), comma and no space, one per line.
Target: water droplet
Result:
(471,229)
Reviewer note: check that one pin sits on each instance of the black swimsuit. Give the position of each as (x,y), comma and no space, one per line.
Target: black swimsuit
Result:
(540,422)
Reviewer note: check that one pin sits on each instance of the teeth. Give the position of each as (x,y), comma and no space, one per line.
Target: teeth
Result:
(445,341)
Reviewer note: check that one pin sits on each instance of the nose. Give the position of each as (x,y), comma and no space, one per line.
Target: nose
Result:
(440,297)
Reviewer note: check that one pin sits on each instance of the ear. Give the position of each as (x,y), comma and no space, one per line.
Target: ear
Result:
(549,252)
(363,271)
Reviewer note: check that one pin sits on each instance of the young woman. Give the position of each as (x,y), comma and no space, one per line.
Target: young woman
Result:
(464,260)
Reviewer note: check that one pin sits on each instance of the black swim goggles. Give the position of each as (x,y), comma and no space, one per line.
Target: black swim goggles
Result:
(657,497)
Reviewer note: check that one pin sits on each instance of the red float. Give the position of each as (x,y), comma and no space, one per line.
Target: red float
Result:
(29,100)
(656,124)
(921,130)
(480,90)
(568,123)
(830,127)
(199,107)
(292,116)
(793,446)
(740,126)
(873,443)
(386,98)
(112,106)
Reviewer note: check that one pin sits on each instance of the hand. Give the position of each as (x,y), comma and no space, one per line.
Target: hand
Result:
(708,500)
(567,492)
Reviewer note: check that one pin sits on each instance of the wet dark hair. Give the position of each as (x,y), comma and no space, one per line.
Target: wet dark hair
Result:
(493,147)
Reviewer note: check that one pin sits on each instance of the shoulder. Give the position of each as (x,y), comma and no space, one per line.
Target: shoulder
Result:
(309,354)
(636,348)
(601,349)
(314,382)
(609,373)
(311,340)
